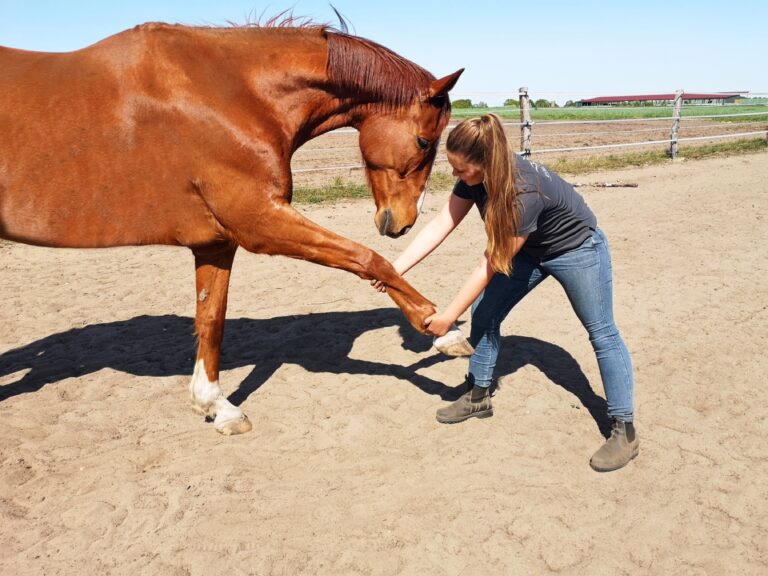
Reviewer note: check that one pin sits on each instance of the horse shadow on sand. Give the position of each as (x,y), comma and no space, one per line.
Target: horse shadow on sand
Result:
(160,346)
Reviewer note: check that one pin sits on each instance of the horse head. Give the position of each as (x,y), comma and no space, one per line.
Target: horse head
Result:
(399,147)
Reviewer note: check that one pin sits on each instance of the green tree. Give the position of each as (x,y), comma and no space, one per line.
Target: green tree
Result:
(462,103)
(513,102)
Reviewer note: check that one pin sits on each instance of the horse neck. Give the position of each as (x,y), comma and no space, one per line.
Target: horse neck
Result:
(357,79)
(315,106)
(326,113)
(291,83)
(286,71)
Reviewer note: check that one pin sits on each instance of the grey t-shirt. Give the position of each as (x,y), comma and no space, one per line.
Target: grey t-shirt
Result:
(550,212)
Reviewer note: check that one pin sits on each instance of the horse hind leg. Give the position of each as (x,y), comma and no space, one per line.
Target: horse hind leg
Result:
(212,272)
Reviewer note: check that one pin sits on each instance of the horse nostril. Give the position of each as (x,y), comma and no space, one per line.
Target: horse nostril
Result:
(384,222)
(398,233)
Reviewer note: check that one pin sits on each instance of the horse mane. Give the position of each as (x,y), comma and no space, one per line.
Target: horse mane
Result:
(361,68)
(365,70)
(284,19)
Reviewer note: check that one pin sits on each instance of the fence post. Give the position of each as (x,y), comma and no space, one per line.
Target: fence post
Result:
(525,119)
(675,124)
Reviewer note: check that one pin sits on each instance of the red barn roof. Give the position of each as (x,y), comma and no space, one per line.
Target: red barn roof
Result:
(651,97)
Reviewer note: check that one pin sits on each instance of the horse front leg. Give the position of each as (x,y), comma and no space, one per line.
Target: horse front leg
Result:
(212,272)
(291,234)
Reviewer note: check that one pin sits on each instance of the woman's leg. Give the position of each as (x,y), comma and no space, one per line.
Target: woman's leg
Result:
(585,274)
(489,311)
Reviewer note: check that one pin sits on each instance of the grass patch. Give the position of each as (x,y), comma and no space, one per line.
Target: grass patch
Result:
(742,146)
(609,162)
(613,162)
(339,189)
(441,180)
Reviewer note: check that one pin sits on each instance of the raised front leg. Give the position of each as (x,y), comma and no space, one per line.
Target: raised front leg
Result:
(289,233)
(212,271)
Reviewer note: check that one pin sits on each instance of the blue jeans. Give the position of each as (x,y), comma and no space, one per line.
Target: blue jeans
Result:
(585,274)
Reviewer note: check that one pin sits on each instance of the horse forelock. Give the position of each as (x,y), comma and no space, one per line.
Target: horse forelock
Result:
(362,69)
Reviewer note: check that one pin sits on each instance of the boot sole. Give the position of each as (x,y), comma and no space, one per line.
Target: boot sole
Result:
(483,414)
(619,467)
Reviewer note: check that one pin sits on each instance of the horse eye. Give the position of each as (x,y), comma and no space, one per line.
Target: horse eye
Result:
(422,142)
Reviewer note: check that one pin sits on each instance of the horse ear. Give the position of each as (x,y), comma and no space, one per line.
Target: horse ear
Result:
(442,86)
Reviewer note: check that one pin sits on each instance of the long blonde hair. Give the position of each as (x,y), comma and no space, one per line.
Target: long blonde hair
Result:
(481,141)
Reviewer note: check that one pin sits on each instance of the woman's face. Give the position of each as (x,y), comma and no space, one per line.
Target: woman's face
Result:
(470,174)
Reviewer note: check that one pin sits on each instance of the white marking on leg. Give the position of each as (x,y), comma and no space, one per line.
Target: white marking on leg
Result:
(208,398)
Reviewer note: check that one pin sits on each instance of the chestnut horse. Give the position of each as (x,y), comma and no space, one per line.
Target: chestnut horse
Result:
(183,136)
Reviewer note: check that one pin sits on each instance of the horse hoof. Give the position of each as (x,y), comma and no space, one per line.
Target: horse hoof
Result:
(240,425)
(453,343)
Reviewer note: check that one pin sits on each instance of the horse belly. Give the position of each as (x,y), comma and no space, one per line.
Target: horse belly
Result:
(69,189)
(102,217)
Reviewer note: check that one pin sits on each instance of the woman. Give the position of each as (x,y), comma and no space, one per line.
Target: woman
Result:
(537,226)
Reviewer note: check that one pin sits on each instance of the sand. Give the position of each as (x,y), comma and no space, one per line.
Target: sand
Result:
(106,470)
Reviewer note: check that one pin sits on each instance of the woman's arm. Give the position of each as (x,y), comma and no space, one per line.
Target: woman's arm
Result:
(431,236)
(438,324)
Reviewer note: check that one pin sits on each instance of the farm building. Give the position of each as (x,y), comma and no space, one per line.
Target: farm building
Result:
(716,98)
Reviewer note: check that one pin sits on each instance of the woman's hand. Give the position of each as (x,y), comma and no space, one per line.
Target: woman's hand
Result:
(378,285)
(438,324)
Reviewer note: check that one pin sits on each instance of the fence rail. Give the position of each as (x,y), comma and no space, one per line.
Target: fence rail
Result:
(647,142)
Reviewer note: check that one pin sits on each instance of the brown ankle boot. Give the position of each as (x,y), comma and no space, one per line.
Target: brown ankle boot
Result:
(476,403)
(618,450)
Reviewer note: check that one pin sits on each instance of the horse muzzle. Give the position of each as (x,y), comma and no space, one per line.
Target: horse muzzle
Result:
(387,225)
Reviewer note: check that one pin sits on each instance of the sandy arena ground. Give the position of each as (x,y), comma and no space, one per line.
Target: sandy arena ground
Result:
(105,469)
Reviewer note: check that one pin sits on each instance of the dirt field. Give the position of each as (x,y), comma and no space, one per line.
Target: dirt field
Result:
(105,469)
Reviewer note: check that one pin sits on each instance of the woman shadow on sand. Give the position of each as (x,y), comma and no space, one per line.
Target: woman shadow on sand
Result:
(161,346)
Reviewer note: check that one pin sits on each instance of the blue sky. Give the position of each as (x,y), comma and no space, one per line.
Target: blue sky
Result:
(559,49)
